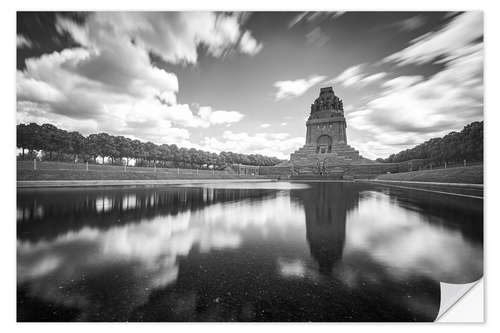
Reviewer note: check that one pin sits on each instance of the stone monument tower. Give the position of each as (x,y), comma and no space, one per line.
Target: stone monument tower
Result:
(326,140)
(326,124)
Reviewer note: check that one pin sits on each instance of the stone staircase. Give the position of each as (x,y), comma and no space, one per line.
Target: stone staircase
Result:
(307,163)
(340,154)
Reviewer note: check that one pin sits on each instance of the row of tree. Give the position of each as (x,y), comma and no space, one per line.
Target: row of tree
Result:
(60,145)
(453,147)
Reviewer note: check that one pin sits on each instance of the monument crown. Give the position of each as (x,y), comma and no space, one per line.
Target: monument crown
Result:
(327,101)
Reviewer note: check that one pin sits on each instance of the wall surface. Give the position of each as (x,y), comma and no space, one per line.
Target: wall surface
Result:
(353,170)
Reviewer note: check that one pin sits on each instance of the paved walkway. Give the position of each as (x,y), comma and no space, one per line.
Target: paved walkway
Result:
(87,183)
(409,182)
(474,191)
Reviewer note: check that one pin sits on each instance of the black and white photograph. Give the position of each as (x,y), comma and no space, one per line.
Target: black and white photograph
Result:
(247,166)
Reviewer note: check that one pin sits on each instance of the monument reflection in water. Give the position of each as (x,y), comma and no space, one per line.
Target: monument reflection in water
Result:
(254,252)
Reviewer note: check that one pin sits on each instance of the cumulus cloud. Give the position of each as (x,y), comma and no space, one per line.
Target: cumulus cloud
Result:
(271,144)
(294,88)
(109,83)
(23,42)
(412,109)
(265,125)
(249,45)
(218,116)
(445,44)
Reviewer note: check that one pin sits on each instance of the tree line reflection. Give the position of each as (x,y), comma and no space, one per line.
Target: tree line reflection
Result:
(45,215)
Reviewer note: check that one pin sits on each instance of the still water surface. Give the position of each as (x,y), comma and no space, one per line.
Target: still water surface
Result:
(243,252)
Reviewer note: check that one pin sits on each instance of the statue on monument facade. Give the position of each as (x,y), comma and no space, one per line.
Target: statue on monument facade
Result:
(327,101)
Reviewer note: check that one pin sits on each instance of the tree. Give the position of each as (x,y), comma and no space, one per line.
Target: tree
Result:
(453,147)
(77,144)
(72,146)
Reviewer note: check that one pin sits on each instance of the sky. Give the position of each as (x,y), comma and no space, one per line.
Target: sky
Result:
(244,81)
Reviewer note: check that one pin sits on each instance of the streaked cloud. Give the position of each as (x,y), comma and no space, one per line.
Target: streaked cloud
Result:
(182,77)
(354,76)
(445,44)
(174,36)
(350,76)
(23,42)
(294,88)
(409,24)
(313,17)
(413,108)
(402,82)
(373,78)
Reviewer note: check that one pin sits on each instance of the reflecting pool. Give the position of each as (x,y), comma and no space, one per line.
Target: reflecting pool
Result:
(272,251)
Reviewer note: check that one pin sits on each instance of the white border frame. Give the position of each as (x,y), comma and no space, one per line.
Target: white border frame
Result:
(8,173)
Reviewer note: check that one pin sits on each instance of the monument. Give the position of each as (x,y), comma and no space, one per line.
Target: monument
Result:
(326,148)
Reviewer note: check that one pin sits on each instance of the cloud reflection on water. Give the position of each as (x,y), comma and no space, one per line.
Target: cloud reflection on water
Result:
(408,243)
(355,236)
(153,247)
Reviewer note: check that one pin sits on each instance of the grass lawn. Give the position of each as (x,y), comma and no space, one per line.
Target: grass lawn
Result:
(76,171)
(468,175)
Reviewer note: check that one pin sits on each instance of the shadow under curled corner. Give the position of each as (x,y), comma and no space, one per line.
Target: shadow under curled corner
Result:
(451,294)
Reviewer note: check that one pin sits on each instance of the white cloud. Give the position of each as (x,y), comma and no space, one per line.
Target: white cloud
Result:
(402,82)
(314,18)
(249,45)
(265,125)
(350,76)
(153,261)
(446,255)
(296,19)
(23,42)
(458,34)
(284,123)
(174,36)
(409,24)
(29,88)
(218,116)
(109,84)
(373,78)
(317,37)
(270,144)
(353,76)
(294,88)
(412,109)
(291,268)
